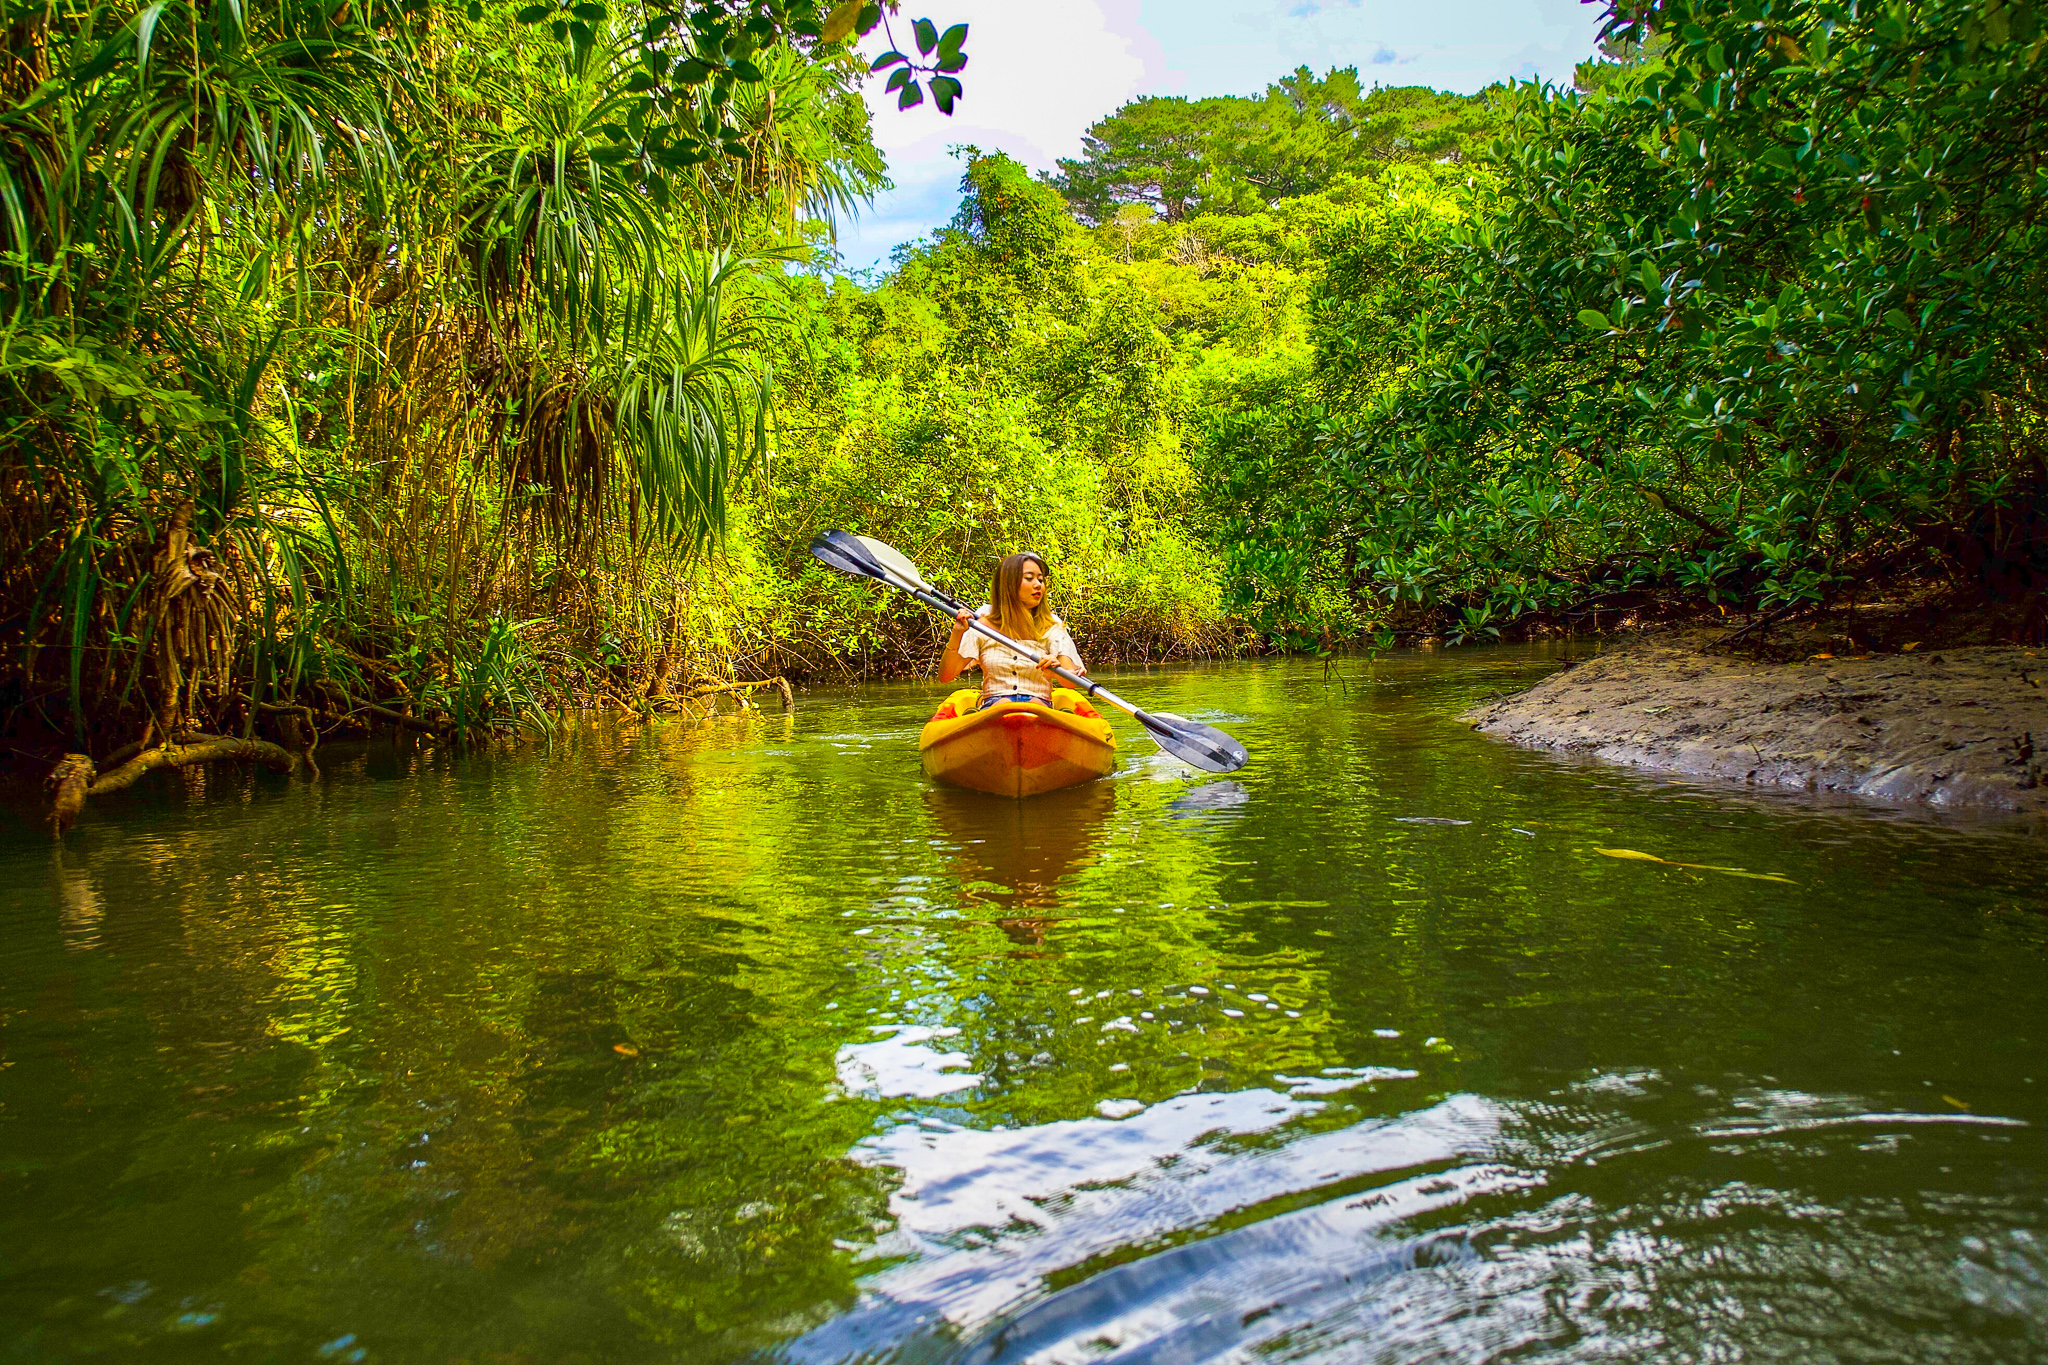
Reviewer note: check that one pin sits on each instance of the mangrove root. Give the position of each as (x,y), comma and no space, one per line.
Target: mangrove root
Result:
(780,682)
(191,622)
(134,747)
(438,729)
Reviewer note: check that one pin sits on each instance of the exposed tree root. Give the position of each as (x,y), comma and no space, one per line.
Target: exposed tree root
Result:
(439,729)
(778,681)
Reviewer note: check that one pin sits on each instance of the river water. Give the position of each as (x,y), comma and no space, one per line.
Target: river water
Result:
(738,1040)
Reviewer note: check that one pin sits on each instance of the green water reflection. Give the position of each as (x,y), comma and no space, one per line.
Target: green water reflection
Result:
(704,1040)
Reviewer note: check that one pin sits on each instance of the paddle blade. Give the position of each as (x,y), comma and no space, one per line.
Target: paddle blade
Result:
(845,553)
(894,560)
(1204,746)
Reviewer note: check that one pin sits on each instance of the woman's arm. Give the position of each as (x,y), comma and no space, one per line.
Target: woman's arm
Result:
(1061,650)
(955,662)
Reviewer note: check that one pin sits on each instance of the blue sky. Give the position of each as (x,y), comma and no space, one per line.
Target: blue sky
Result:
(1041,71)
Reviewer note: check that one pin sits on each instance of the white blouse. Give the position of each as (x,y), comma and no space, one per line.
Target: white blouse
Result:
(1004,671)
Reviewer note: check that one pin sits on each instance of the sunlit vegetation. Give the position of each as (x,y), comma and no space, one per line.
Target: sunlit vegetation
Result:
(407,357)
(470,363)
(1753,321)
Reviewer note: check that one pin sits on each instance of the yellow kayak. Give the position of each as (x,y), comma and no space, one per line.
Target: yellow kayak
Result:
(1017,748)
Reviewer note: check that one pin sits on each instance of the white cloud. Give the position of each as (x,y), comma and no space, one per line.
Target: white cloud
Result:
(1037,76)
(1039,72)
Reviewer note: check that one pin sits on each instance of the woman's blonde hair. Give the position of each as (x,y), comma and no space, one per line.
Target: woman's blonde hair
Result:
(1006,599)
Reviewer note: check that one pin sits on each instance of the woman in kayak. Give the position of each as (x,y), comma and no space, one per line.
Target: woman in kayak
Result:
(1020,611)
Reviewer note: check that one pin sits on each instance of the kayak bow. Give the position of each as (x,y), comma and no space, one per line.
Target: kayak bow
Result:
(1017,749)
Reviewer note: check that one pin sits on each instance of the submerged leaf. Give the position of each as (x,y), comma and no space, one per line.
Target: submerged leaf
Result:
(1636,856)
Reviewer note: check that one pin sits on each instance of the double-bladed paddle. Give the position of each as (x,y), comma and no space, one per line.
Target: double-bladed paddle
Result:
(1204,746)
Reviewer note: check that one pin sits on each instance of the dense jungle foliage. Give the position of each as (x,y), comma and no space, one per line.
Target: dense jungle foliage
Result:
(402,354)
(475,361)
(1755,322)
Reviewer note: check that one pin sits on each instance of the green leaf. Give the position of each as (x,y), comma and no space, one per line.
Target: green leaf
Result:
(945,90)
(533,14)
(145,30)
(1593,320)
(912,96)
(693,72)
(591,13)
(889,58)
(927,36)
(748,72)
(951,40)
(897,80)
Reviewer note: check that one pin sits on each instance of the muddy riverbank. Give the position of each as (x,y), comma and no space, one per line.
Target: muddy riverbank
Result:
(1958,728)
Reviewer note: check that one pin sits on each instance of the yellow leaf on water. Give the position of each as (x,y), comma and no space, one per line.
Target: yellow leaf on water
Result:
(1819,656)
(625,1049)
(1635,856)
(1741,872)
(1908,649)
(1957,1103)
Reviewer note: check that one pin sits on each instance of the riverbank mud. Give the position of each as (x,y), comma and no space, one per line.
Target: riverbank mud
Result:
(1965,729)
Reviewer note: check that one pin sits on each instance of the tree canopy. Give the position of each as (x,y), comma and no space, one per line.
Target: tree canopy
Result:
(1230,154)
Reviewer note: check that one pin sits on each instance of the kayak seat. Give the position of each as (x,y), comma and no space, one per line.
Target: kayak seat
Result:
(1063,699)
(957,705)
(1067,699)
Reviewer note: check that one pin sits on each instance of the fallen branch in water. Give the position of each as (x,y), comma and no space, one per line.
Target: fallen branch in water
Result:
(211,749)
(76,778)
(130,750)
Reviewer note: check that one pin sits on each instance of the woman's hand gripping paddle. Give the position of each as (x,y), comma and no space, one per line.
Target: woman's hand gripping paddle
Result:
(1204,746)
